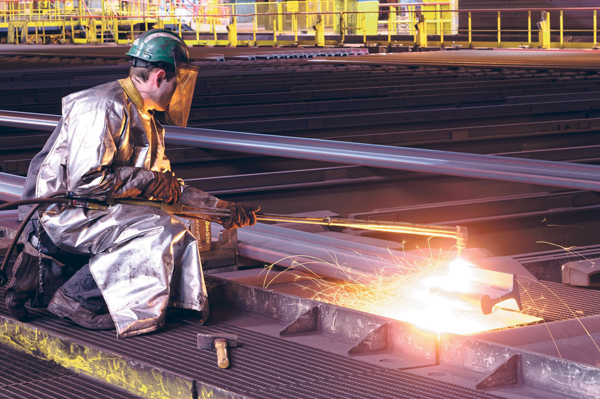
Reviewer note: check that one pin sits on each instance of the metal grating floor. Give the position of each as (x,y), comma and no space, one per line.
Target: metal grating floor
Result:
(555,302)
(23,376)
(262,367)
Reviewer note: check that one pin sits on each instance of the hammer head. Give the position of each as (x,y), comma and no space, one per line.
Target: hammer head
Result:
(207,341)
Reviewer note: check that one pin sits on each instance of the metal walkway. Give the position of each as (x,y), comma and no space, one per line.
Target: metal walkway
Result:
(24,376)
(168,364)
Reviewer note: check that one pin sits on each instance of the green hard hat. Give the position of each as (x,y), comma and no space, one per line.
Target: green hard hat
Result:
(158,45)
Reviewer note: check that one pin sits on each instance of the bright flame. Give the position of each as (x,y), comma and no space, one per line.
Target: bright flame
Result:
(459,275)
(452,276)
(421,297)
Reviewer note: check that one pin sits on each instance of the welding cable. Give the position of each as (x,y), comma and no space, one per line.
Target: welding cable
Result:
(36,202)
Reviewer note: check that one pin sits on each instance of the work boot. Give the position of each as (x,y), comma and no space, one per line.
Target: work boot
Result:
(23,286)
(68,308)
(189,315)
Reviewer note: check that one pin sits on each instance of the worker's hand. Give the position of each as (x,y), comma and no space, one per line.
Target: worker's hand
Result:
(240,215)
(164,187)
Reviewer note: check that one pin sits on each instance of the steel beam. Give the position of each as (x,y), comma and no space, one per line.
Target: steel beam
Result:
(547,173)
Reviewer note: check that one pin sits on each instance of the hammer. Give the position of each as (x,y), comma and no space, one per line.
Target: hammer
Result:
(220,342)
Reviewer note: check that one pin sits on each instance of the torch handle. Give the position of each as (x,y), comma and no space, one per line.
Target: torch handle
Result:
(222,358)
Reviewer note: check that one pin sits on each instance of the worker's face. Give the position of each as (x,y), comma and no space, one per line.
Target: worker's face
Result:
(164,91)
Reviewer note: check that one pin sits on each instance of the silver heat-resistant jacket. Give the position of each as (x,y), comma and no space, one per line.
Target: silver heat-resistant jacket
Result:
(142,259)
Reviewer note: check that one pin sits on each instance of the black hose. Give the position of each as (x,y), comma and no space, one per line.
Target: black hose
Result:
(13,244)
(40,201)
(37,202)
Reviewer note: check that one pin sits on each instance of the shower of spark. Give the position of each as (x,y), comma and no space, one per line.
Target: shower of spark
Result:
(423,296)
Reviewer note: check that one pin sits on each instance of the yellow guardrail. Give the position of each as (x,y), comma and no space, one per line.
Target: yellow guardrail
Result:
(124,19)
(322,22)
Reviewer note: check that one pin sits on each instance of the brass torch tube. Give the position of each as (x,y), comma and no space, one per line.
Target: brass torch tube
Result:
(213,214)
(393,227)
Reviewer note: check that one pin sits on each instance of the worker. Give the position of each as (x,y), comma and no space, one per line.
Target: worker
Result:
(124,266)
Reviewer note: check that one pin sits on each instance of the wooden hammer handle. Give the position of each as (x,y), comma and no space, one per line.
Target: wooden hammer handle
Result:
(222,358)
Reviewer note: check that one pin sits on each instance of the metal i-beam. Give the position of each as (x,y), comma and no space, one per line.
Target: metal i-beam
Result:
(556,174)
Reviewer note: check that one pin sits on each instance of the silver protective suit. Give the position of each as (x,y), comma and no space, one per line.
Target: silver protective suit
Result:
(142,259)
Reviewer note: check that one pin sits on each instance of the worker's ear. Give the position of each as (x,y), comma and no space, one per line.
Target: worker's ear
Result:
(160,77)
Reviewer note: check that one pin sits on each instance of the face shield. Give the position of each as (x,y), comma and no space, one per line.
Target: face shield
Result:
(178,110)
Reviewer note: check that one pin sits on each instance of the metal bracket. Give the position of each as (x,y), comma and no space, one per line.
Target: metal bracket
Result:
(228,238)
(505,374)
(376,340)
(222,253)
(306,323)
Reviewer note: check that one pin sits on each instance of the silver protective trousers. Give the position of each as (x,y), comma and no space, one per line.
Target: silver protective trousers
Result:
(143,261)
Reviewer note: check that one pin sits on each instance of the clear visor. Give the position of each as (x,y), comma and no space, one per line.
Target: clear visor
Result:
(178,111)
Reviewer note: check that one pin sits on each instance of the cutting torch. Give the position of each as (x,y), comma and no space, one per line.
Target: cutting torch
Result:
(218,215)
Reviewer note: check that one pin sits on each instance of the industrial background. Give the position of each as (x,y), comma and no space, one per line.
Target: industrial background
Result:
(467,121)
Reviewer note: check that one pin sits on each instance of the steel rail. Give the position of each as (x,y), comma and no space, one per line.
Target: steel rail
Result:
(11,187)
(548,173)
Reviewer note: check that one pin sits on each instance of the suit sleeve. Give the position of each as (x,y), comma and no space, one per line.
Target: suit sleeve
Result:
(91,151)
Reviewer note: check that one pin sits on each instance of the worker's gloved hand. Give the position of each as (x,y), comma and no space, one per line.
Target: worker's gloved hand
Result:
(164,187)
(240,215)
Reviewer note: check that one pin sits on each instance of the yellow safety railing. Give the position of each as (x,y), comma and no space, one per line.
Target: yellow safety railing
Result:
(532,23)
(120,16)
(292,22)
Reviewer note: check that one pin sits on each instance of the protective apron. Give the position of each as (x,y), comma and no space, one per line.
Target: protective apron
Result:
(142,259)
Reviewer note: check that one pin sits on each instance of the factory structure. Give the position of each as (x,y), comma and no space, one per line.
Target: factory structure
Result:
(398,199)
(213,22)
